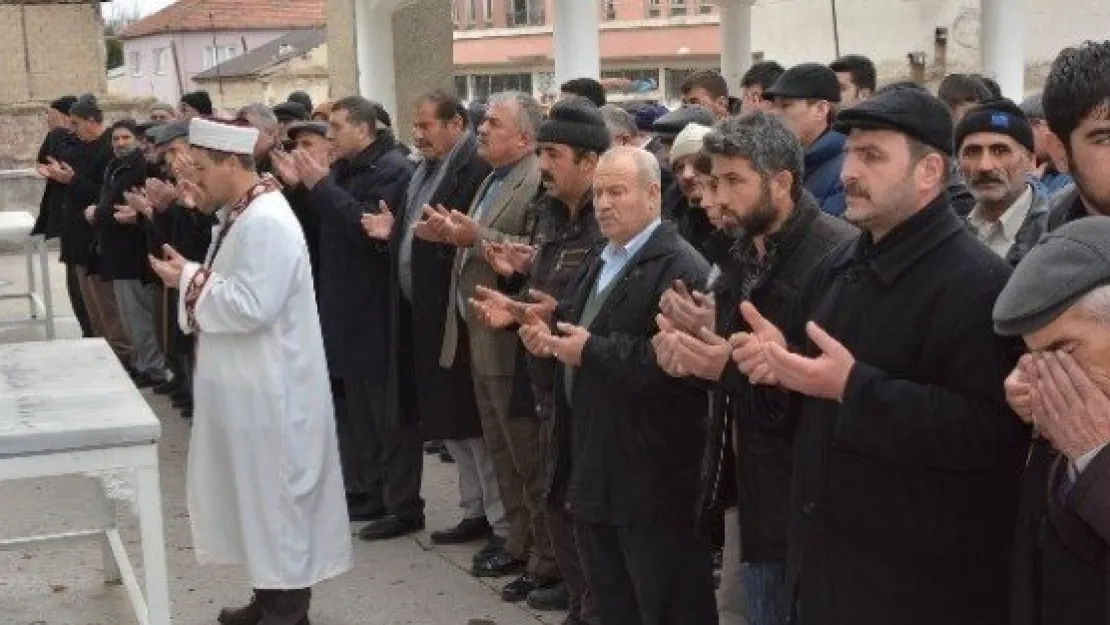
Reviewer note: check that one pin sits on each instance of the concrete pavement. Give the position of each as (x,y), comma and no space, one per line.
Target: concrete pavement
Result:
(398,582)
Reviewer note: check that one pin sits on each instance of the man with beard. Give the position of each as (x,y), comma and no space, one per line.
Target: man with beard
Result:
(994,148)
(906,456)
(781,236)
(122,252)
(1055,583)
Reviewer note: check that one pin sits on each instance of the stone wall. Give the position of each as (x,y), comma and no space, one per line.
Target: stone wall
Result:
(23,126)
(20,190)
(50,49)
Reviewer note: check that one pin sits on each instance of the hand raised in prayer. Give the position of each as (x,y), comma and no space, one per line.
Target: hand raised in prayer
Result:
(494,309)
(1068,408)
(160,194)
(703,356)
(542,305)
(508,258)
(378,226)
(824,377)
(192,196)
(534,333)
(432,226)
(663,344)
(309,170)
(689,310)
(748,347)
(125,214)
(60,171)
(90,213)
(42,170)
(568,346)
(464,230)
(1019,388)
(285,166)
(137,202)
(170,268)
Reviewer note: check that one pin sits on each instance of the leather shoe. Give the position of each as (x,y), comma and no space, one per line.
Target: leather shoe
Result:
(520,588)
(495,544)
(249,614)
(551,598)
(167,387)
(366,514)
(498,564)
(391,526)
(468,530)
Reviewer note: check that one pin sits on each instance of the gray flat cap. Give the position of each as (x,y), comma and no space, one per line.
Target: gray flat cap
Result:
(672,123)
(168,132)
(1033,106)
(319,128)
(1066,265)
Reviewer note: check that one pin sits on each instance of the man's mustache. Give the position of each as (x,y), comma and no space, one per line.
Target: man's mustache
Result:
(987,178)
(854,188)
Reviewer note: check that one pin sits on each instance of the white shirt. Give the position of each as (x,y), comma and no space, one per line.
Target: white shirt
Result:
(616,257)
(1000,235)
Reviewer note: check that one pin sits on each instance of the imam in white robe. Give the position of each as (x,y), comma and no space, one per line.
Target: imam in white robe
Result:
(264,483)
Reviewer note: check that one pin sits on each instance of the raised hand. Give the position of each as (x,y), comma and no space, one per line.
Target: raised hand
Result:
(493,309)
(309,170)
(464,230)
(567,347)
(432,227)
(1019,388)
(379,226)
(508,258)
(533,334)
(170,268)
(1068,407)
(285,167)
(748,347)
(824,377)
(124,214)
(160,193)
(689,310)
(192,196)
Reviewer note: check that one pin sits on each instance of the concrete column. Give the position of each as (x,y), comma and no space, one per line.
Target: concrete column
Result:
(1002,28)
(736,41)
(577,41)
(374,51)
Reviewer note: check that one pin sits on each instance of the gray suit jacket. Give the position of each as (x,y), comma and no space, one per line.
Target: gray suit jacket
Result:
(492,352)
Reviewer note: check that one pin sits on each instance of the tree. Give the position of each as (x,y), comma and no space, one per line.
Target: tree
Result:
(113,25)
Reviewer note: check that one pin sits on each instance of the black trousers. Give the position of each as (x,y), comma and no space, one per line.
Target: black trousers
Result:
(582,606)
(77,302)
(383,462)
(648,573)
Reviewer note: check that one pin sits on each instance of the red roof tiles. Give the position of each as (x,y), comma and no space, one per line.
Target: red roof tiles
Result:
(223,15)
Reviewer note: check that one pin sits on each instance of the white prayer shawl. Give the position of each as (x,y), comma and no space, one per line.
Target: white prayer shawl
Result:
(264,482)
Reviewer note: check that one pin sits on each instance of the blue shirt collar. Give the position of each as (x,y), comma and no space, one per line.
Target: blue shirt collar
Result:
(633,246)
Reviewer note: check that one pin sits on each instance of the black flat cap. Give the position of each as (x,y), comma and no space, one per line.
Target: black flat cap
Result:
(1066,265)
(319,128)
(168,132)
(912,112)
(806,80)
(670,124)
(290,111)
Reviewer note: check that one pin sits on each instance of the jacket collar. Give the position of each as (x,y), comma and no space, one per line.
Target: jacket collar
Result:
(827,147)
(907,243)
(366,159)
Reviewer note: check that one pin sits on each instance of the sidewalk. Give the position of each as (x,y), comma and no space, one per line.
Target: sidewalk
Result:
(398,582)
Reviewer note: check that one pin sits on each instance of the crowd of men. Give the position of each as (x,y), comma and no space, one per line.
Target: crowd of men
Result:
(799,300)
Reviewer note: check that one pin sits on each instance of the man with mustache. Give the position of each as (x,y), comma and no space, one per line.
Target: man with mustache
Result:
(994,145)
(780,236)
(906,456)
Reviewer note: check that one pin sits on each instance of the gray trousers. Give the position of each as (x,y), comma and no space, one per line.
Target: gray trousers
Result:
(136,309)
(479,493)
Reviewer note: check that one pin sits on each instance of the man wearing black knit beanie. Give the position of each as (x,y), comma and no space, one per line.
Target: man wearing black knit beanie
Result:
(994,147)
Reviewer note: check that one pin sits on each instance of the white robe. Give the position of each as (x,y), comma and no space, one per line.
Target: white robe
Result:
(264,483)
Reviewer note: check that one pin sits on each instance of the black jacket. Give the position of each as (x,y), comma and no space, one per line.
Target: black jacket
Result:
(765,453)
(692,222)
(636,433)
(121,248)
(905,494)
(50,222)
(89,162)
(310,224)
(442,399)
(355,270)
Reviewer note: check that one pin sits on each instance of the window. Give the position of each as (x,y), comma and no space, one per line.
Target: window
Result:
(654,8)
(705,7)
(630,80)
(136,63)
(455,12)
(609,8)
(525,13)
(461,90)
(678,7)
(471,10)
(214,55)
(488,13)
(486,85)
(160,61)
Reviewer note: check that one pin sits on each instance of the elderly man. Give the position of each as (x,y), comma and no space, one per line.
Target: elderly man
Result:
(682,201)
(782,237)
(270,131)
(994,148)
(633,466)
(258,495)
(498,214)
(906,454)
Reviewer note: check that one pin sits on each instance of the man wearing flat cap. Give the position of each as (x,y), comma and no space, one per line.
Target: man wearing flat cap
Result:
(994,147)
(806,97)
(265,487)
(906,454)
(1048,170)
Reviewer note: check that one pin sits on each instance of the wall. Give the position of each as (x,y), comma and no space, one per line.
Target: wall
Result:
(190,59)
(306,73)
(48,50)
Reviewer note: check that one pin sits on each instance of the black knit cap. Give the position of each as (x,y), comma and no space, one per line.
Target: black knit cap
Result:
(200,101)
(576,122)
(86,107)
(915,113)
(999,116)
(63,104)
(290,111)
(806,81)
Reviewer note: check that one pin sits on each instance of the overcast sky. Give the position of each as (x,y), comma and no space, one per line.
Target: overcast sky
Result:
(129,7)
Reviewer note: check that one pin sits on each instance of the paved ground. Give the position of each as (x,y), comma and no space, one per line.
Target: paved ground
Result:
(397,582)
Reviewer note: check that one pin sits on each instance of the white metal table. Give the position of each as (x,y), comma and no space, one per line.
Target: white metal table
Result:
(67,407)
(15,227)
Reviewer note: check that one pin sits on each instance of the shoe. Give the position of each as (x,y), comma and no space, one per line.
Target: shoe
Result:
(249,614)
(168,386)
(445,456)
(550,599)
(182,402)
(468,530)
(494,545)
(366,514)
(434,447)
(498,564)
(285,606)
(391,526)
(187,413)
(522,587)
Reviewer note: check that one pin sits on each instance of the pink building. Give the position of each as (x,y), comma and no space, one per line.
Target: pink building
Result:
(647,46)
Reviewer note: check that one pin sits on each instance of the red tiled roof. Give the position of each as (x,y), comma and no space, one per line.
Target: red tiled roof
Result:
(223,15)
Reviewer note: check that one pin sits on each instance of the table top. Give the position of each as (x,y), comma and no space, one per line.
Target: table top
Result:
(67,395)
(15,226)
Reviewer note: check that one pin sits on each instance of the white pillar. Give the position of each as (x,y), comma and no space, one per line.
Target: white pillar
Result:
(577,40)
(374,52)
(736,41)
(1002,24)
